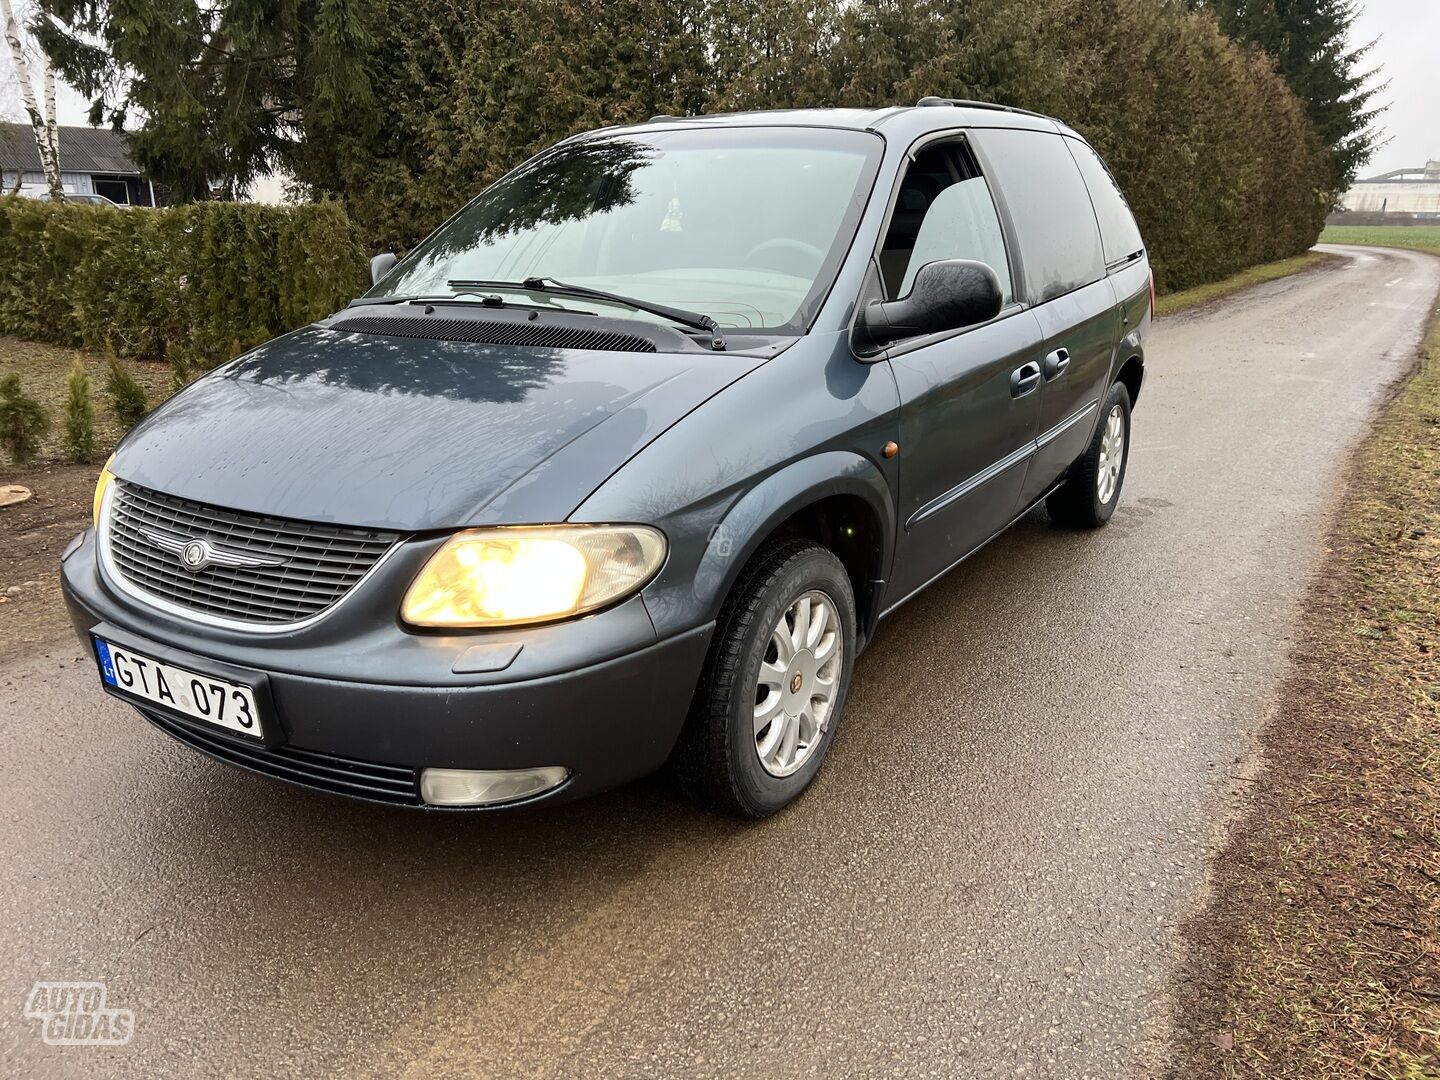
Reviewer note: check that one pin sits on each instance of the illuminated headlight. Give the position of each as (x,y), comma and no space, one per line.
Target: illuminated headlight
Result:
(531,574)
(102,485)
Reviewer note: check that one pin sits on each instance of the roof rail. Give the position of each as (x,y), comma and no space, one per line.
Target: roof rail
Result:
(962,103)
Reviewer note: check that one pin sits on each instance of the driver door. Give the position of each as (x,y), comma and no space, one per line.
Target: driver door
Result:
(969,407)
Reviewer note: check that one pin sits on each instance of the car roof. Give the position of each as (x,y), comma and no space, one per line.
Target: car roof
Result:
(904,122)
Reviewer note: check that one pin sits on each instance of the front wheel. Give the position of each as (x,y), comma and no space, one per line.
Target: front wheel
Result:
(774,683)
(1091,489)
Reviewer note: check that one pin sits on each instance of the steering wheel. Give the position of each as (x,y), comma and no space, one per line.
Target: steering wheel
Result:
(806,257)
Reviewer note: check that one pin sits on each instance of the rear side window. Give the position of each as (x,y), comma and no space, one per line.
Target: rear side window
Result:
(1119,235)
(1050,208)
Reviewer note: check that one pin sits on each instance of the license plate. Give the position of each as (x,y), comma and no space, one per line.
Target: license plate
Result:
(215,701)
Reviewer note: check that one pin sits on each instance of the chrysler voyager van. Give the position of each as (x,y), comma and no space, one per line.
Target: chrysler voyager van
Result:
(622,467)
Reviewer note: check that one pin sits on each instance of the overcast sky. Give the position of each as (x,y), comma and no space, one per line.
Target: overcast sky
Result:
(1407,53)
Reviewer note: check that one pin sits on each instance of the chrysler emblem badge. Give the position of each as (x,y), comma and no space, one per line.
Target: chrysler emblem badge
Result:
(795,681)
(195,555)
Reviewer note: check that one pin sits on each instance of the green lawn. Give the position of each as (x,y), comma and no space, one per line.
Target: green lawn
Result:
(1424,237)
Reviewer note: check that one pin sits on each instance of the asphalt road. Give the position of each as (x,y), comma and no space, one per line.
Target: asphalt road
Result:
(1037,757)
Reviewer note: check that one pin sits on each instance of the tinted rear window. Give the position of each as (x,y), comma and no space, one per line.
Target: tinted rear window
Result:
(1047,199)
(1119,235)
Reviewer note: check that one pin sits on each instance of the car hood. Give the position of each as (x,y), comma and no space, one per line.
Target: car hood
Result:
(410,434)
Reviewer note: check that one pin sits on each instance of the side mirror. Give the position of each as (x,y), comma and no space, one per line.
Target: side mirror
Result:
(945,295)
(381,265)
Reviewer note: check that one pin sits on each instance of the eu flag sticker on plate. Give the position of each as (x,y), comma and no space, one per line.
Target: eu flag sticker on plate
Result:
(107,665)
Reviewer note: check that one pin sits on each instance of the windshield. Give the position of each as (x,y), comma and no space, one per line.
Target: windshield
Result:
(745,225)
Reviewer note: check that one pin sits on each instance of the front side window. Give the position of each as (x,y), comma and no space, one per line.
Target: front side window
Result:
(746,225)
(942,211)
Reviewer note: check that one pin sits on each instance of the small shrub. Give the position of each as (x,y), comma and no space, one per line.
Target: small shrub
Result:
(79,416)
(182,371)
(23,421)
(127,396)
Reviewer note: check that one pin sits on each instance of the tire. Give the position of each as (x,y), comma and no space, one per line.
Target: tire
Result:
(718,758)
(1077,503)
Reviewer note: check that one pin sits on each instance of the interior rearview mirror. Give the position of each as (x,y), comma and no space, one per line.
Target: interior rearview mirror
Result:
(381,265)
(946,295)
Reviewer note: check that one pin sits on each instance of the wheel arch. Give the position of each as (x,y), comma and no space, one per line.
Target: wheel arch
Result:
(837,499)
(1132,375)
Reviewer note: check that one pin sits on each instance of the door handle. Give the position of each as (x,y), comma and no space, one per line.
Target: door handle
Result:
(1024,379)
(1056,363)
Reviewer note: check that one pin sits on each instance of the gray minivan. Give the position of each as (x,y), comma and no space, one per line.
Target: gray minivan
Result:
(624,465)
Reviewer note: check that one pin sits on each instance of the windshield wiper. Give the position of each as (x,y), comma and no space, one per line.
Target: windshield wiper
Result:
(692,319)
(421,298)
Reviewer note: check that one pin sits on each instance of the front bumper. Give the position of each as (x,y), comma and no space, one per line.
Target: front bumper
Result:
(598,696)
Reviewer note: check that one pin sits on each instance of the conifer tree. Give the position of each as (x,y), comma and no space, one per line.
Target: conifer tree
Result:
(23,421)
(1310,43)
(79,415)
(227,88)
(127,396)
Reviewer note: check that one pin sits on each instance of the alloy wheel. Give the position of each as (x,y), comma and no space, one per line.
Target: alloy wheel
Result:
(798,682)
(1112,455)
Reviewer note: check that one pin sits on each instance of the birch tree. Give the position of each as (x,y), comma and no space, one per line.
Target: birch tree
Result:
(42,124)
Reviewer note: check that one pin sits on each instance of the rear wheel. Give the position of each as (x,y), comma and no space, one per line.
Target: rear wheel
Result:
(1091,489)
(774,683)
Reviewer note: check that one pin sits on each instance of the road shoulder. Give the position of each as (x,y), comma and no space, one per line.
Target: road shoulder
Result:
(1318,954)
(1201,296)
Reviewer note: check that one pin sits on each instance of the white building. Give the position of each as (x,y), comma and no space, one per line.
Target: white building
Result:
(1404,191)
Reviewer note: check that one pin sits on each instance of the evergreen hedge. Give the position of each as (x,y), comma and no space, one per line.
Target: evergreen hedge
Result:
(196,284)
(1212,148)
(1209,143)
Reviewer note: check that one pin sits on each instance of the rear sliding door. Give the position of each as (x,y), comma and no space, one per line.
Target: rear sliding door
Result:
(1063,272)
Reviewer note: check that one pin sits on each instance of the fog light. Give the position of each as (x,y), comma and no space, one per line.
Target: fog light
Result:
(480,787)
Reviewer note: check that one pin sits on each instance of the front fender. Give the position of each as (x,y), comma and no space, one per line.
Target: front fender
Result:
(707,556)
(780,496)
(809,425)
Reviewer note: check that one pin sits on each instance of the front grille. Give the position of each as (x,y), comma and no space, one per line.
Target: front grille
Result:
(321,563)
(478,332)
(343,776)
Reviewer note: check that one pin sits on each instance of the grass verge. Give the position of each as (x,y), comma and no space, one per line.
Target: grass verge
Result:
(1170,303)
(1419,237)
(42,370)
(1319,955)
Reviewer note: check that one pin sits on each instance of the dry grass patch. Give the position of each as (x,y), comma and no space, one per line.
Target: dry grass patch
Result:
(32,534)
(1320,953)
(42,370)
